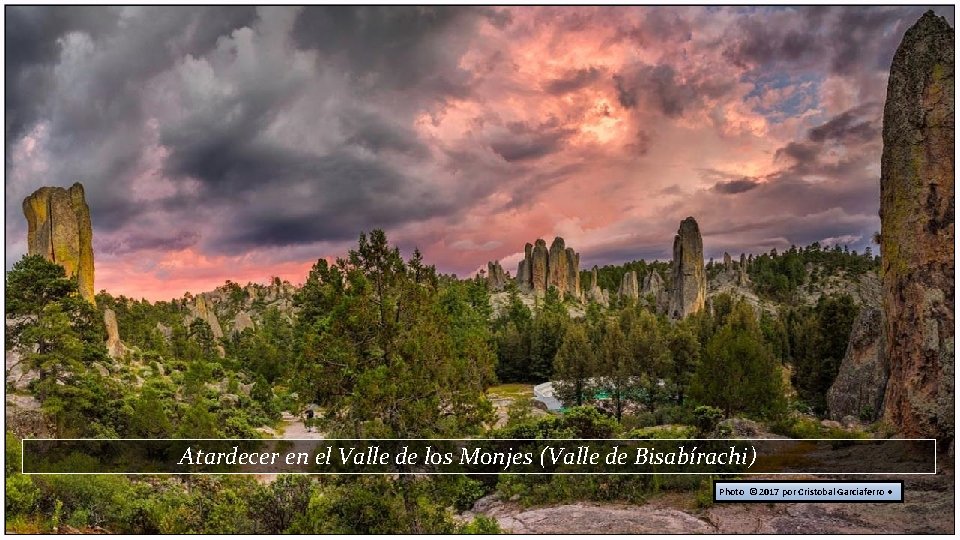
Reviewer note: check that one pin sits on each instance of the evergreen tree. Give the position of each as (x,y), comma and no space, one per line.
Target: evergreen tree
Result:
(574,365)
(738,373)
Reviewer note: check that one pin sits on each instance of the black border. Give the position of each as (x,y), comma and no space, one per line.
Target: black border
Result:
(713,494)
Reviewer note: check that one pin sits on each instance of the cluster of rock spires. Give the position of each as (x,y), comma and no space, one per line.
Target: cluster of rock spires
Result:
(557,267)
(59,229)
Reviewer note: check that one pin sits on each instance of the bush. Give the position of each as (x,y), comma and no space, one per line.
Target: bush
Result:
(663,432)
(707,418)
(481,525)
(22,495)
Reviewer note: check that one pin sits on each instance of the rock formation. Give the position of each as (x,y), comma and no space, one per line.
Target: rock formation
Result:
(859,387)
(917,236)
(204,312)
(573,273)
(539,267)
(653,286)
(496,278)
(241,322)
(742,277)
(727,262)
(115,347)
(59,229)
(689,279)
(525,269)
(628,286)
(595,293)
(557,263)
(557,267)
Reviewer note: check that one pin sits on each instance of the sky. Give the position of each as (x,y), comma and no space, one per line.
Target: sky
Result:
(243,143)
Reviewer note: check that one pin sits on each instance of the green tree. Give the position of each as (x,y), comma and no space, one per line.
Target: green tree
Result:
(685,352)
(386,358)
(574,365)
(616,367)
(738,373)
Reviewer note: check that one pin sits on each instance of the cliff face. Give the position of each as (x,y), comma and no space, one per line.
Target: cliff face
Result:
(689,291)
(59,229)
(917,236)
(859,387)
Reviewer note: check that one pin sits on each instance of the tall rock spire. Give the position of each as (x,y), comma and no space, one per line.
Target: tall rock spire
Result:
(689,291)
(917,236)
(59,229)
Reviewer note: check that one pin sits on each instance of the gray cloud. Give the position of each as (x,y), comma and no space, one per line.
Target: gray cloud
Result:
(573,80)
(732,187)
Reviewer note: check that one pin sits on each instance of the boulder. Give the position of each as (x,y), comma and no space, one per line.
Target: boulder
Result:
(689,278)
(59,229)
(862,379)
(917,231)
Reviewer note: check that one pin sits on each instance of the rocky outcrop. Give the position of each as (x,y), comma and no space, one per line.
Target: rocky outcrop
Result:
(860,384)
(653,287)
(165,331)
(496,277)
(539,267)
(59,229)
(689,279)
(557,267)
(727,262)
(917,231)
(595,293)
(573,273)
(629,289)
(115,347)
(242,322)
(203,311)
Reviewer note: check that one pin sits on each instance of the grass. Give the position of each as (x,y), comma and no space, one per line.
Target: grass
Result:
(511,391)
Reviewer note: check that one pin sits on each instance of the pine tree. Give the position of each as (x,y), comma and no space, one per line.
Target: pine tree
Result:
(574,365)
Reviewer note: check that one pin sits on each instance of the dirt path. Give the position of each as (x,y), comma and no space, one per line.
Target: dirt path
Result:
(291,427)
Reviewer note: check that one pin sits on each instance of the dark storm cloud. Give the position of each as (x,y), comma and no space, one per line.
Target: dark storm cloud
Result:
(82,72)
(523,141)
(573,80)
(841,39)
(147,241)
(32,46)
(661,86)
(399,47)
(850,126)
(732,187)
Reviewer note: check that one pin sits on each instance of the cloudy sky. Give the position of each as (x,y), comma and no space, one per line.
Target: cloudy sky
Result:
(241,143)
